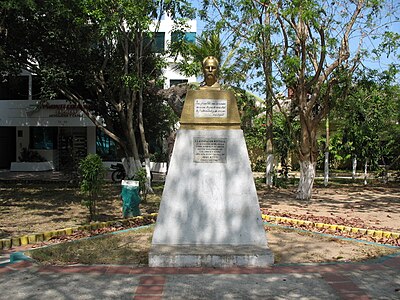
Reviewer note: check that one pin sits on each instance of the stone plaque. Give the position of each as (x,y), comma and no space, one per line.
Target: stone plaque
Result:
(209,150)
(210,108)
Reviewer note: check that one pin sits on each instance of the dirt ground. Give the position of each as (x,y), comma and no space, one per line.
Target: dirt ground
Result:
(31,208)
(132,248)
(369,206)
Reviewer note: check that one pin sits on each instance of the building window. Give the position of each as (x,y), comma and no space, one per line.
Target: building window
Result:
(43,138)
(177,36)
(173,82)
(105,146)
(157,43)
(14,88)
(36,87)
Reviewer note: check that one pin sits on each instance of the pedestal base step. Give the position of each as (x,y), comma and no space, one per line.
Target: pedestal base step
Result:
(219,256)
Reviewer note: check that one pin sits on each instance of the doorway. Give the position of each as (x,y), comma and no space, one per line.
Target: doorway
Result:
(7,146)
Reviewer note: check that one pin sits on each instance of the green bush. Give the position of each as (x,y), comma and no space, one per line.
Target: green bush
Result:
(92,180)
(141,177)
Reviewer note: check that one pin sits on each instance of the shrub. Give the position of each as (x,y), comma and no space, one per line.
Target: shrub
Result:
(141,177)
(92,180)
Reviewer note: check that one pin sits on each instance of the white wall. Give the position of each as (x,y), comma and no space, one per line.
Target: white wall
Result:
(24,113)
(167,26)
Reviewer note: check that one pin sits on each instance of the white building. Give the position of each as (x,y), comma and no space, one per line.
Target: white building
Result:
(163,38)
(59,131)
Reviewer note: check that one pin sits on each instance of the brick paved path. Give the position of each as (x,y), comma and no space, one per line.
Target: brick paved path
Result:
(379,279)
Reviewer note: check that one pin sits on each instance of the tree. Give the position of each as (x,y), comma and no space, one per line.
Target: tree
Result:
(98,55)
(313,43)
(368,119)
(192,54)
(250,31)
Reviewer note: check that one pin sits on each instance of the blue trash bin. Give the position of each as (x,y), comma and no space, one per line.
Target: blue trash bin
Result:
(130,198)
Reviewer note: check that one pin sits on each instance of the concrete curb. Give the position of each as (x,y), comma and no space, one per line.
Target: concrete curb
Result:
(330,235)
(20,255)
(45,236)
(334,227)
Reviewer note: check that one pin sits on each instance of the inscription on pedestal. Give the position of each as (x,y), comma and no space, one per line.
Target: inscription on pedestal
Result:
(210,108)
(209,150)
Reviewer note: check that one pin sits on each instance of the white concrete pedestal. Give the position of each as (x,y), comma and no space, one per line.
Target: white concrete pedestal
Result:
(209,213)
(218,256)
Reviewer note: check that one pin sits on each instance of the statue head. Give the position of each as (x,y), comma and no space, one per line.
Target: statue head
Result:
(210,70)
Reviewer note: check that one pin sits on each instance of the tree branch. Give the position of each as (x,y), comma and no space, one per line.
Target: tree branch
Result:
(321,59)
(75,99)
(175,96)
(344,51)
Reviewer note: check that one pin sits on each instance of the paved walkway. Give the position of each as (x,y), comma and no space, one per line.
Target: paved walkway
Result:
(379,279)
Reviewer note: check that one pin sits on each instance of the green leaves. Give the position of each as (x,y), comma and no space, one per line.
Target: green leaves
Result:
(208,44)
(368,119)
(389,45)
(92,174)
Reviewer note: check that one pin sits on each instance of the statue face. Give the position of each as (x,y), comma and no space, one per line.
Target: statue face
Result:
(210,69)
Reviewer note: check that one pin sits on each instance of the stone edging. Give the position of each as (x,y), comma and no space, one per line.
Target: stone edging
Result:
(370,232)
(45,236)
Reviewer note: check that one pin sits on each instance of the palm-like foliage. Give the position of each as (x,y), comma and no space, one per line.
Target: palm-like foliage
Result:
(190,55)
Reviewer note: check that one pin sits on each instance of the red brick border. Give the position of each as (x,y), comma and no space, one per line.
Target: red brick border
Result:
(152,280)
(392,263)
(150,288)
(344,286)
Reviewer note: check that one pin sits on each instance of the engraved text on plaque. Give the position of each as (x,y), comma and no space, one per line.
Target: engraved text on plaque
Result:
(210,108)
(209,150)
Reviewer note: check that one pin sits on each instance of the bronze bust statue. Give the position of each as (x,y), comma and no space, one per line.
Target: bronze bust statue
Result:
(210,70)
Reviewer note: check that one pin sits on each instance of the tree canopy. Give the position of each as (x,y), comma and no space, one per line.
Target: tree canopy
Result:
(96,54)
(369,119)
(312,46)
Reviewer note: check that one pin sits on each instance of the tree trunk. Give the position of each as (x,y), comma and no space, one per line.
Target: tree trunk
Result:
(326,161)
(308,152)
(131,165)
(326,169)
(307,176)
(146,155)
(365,171)
(145,145)
(269,174)
(267,66)
(148,174)
(131,162)
(353,174)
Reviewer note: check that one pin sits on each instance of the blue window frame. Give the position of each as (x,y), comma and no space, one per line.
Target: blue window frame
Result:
(158,45)
(43,138)
(177,36)
(106,148)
